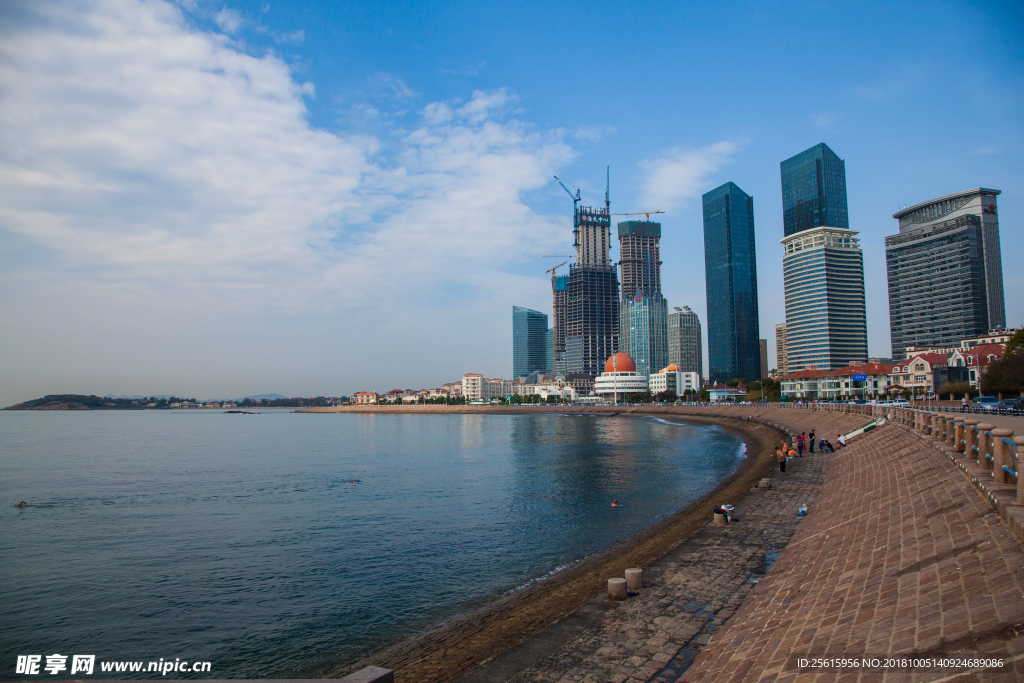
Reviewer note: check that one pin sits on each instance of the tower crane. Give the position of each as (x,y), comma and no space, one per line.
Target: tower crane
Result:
(637,213)
(575,198)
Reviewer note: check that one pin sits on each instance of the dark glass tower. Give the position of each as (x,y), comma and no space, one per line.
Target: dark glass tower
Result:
(814,190)
(529,341)
(734,346)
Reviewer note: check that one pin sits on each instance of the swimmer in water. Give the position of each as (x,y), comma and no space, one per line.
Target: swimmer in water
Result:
(615,503)
(22,504)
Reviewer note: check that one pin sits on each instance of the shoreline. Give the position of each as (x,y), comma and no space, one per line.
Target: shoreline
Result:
(457,646)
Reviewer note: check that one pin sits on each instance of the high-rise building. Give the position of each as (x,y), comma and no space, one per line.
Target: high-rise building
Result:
(945,271)
(643,331)
(559,291)
(764,358)
(549,351)
(731,281)
(814,191)
(781,349)
(529,341)
(685,349)
(643,312)
(592,295)
(640,257)
(823,277)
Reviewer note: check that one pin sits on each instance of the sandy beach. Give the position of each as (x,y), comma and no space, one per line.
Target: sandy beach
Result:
(446,652)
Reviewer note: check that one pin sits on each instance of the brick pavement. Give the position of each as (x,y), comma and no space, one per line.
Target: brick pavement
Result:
(899,555)
(689,593)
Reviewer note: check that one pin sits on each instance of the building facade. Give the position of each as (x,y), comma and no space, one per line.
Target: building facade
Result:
(814,191)
(619,378)
(731,282)
(826,320)
(945,271)
(780,349)
(674,381)
(640,257)
(592,295)
(685,348)
(643,331)
(559,292)
(529,341)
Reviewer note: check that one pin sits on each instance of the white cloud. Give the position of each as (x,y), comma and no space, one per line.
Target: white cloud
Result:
(228,20)
(155,181)
(594,133)
(680,174)
(390,85)
(824,119)
(295,37)
(985,150)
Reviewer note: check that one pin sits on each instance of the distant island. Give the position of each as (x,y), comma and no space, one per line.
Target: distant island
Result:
(91,402)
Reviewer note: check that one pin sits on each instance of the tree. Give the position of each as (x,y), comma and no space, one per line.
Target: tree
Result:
(1005,375)
(1016,343)
(956,388)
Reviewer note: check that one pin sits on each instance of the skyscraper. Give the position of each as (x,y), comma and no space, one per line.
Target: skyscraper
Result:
(814,190)
(823,277)
(592,295)
(685,349)
(643,322)
(529,341)
(734,349)
(640,257)
(781,349)
(822,265)
(559,294)
(945,271)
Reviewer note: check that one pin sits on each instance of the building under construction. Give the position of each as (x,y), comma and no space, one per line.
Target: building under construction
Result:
(592,296)
(559,293)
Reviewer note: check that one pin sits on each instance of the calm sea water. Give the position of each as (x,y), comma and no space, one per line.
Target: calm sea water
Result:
(239,539)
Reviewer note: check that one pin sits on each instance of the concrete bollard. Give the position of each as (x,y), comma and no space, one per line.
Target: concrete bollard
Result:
(970,438)
(616,589)
(720,519)
(634,579)
(958,434)
(1019,440)
(984,444)
(370,674)
(1000,455)
(950,430)
(764,484)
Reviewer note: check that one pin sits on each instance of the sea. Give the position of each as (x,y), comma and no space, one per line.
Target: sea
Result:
(286,545)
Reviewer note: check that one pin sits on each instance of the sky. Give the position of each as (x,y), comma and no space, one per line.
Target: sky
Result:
(216,199)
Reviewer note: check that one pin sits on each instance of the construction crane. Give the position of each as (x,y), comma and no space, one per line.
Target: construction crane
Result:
(552,270)
(558,256)
(637,213)
(575,199)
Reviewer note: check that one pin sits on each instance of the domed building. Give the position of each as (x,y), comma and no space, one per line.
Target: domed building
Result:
(619,378)
(674,381)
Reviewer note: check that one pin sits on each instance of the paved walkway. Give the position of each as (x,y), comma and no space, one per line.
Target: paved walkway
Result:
(688,594)
(899,555)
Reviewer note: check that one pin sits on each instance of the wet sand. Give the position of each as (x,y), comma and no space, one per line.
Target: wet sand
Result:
(452,649)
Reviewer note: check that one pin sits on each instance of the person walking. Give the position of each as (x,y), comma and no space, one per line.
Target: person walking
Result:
(800,445)
(810,438)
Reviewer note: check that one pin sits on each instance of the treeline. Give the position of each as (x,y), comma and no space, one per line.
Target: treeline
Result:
(317,402)
(83,402)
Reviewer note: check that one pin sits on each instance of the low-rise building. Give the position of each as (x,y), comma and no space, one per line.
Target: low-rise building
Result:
(674,381)
(620,378)
(363,398)
(917,375)
(720,393)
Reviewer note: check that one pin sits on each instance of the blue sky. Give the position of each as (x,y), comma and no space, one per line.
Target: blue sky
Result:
(217,199)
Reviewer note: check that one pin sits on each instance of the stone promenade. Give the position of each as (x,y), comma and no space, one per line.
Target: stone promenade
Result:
(689,593)
(899,555)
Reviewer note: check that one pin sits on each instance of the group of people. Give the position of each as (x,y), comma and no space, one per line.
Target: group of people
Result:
(784,453)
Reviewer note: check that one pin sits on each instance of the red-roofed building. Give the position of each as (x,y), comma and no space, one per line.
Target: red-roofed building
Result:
(857,380)
(918,373)
(975,359)
(365,397)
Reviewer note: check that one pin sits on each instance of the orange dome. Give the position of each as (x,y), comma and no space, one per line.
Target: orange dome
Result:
(620,362)
(672,367)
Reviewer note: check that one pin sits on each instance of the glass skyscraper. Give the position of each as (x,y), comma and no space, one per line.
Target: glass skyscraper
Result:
(814,191)
(529,341)
(684,341)
(945,271)
(734,346)
(643,331)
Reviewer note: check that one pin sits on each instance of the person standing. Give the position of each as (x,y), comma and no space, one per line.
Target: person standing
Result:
(780,453)
(810,438)
(800,445)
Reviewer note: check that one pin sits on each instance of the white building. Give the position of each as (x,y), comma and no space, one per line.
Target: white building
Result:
(619,378)
(673,380)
